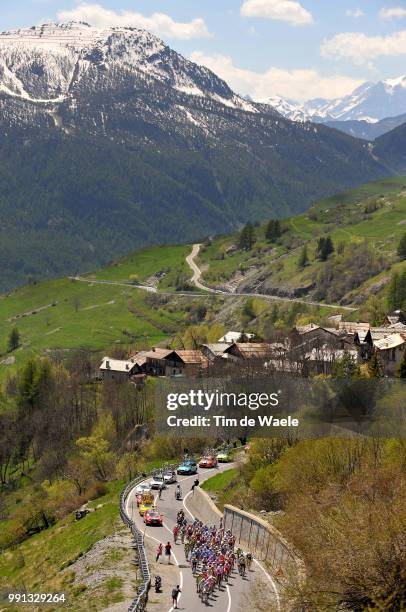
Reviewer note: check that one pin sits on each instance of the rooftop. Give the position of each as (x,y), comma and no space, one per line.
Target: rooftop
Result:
(252,349)
(217,348)
(117,365)
(389,342)
(192,357)
(352,327)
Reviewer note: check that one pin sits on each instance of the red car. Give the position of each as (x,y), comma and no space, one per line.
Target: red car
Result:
(208,462)
(153,517)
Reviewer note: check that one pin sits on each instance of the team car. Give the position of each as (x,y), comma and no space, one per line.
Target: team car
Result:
(153,517)
(158,482)
(170,477)
(208,462)
(144,507)
(224,457)
(187,467)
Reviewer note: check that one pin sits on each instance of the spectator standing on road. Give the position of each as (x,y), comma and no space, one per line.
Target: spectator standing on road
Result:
(168,551)
(159,552)
(175,595)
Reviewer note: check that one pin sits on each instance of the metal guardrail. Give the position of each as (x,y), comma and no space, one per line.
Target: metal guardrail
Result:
(140,601)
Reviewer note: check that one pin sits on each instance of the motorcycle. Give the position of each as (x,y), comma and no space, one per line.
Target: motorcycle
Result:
(178,494)
(158,584)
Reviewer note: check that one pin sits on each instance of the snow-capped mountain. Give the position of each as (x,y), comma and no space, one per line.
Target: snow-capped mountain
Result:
(45,64)
(113,141)
(370,102)
(292,110)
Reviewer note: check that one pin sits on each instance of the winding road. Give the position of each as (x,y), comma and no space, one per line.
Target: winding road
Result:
(234,596)
(196,281)
(197,274)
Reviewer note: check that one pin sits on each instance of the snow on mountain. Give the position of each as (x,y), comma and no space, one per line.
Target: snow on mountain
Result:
(44,64)
(114,141)
(289,109)
(370,102)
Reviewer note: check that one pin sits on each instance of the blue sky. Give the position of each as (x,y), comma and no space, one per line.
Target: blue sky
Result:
(298,49)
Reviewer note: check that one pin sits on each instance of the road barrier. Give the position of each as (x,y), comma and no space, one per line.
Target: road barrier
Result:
(265,543)
(140,601)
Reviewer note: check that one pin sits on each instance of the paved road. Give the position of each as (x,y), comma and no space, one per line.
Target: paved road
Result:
(197,273)
(195,280)
(233,596)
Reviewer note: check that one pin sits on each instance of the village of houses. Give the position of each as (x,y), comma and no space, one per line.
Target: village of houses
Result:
(306,351)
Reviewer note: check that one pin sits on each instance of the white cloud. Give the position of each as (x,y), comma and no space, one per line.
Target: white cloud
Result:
(292,84)
(362,49)
(395,12)
(356,13)
(159,23)
(281,10)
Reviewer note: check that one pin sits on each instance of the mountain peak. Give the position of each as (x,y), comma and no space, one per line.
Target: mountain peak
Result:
(50,63)
(398,82)
(370,102)
(70,34)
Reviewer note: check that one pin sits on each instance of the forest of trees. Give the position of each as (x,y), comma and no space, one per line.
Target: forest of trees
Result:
(58,427)
(346,271)
(342,503)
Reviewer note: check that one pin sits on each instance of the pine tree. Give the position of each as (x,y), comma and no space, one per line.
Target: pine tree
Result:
(273,230)
(402,367)
(320,247)
(13,340)
(375,366)
(303,258)
(247,237)
(329,247)
(325,248)
(402,247)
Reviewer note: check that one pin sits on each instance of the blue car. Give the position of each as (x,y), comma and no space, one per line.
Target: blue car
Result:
(187,467)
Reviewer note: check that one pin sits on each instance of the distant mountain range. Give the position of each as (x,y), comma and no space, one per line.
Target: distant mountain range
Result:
(110,140)
(370,111)
(365,129)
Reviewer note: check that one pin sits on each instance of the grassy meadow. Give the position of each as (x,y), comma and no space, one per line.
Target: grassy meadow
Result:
(374,214)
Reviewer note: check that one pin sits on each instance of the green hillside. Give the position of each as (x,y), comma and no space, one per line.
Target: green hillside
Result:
(104,310)
(365,226)
(65,315)
(47,560)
